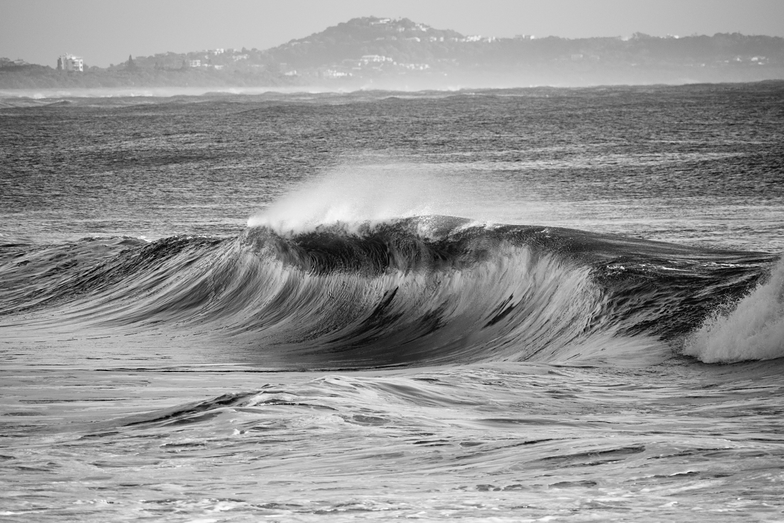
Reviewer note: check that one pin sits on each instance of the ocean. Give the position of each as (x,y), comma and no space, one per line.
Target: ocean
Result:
(540,304)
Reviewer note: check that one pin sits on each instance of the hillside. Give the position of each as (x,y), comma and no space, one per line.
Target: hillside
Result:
(400,53)
(383,50)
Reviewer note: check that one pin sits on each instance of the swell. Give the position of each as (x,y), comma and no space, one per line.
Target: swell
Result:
(411,291)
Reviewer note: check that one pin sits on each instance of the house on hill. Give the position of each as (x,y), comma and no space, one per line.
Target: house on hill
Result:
(69,62)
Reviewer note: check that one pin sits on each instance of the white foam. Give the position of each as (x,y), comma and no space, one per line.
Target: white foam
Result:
(753,330)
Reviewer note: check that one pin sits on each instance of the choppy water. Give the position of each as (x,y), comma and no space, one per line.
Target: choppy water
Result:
(496,305)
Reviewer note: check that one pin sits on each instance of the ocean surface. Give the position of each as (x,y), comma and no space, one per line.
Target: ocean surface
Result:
(502,305)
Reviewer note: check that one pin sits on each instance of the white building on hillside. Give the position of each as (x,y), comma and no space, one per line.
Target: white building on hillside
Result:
(69,62)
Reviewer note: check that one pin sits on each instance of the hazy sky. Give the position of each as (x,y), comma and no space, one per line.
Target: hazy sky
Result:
(107,31)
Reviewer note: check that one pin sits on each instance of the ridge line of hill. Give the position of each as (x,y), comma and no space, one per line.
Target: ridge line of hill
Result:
(400,53)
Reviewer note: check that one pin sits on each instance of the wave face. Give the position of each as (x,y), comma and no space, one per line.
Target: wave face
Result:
(422,290)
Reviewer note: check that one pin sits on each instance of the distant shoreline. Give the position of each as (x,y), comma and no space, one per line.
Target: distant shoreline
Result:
(376,53)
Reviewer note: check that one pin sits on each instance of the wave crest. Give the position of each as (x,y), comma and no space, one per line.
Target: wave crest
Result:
(360,194)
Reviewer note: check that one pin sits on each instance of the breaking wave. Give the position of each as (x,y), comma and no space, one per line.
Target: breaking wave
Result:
(418,290)
(750,329)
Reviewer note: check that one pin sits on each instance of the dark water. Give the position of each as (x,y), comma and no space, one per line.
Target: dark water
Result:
(524,304)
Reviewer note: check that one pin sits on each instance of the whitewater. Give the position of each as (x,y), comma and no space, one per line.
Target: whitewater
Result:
(506,305)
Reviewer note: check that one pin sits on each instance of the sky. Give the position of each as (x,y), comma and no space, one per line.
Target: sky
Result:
(106,32)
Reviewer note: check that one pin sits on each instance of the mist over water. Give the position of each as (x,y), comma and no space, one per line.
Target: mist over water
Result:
(353,194)
(17,97)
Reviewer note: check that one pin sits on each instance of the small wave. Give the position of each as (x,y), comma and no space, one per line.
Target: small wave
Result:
(753,329)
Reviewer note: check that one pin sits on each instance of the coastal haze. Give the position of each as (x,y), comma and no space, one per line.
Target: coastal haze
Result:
(351,45)
(106,33)
(357,261)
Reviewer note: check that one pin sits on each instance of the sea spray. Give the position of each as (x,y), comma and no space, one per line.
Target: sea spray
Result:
(752,330)
(356,195)
(387,189)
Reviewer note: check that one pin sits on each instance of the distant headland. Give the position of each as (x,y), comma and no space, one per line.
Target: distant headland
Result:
(386,53)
